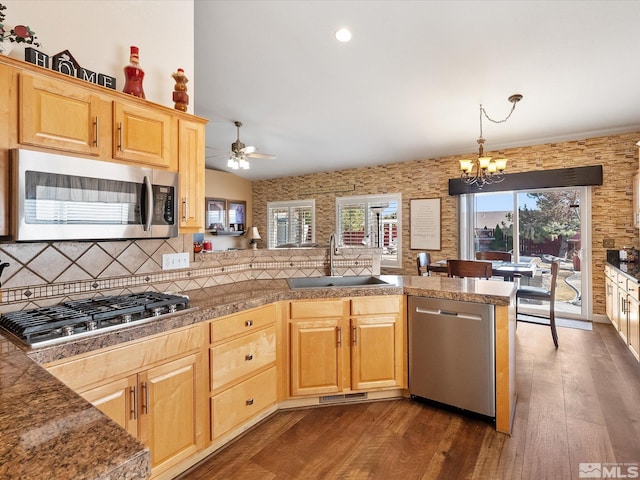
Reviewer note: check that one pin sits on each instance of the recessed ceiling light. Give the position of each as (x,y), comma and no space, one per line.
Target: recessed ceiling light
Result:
(343,35)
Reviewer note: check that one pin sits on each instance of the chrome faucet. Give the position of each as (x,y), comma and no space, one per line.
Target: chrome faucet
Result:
(332,250)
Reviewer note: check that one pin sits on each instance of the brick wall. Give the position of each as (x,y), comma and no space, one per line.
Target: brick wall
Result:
(611,203)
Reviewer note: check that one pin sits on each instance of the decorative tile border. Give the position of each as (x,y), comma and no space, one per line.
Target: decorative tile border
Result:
(243,265)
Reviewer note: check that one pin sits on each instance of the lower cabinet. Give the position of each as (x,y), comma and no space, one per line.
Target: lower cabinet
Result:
(153,388)
(343,345)
(243,376)
(623,307)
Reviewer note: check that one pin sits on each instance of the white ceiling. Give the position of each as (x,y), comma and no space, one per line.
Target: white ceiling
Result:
(409,84)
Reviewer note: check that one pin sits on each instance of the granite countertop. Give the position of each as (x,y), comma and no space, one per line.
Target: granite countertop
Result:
(631,269)
(48,431)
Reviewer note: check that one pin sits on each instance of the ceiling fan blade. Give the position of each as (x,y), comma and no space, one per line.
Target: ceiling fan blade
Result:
(249,149)
(261,155)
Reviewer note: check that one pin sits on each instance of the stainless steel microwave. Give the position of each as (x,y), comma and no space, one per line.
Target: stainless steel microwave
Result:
(57,197)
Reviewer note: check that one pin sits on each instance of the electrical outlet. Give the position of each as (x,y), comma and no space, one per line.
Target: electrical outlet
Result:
(173,261)
(609,243)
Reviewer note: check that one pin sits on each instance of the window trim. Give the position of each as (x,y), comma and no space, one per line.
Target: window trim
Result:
(367,200)
(289,204)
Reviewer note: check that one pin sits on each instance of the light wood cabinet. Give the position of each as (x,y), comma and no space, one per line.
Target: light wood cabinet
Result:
(242,368)
(633,316)
(141,134)
(118,401)
(623,307)
(60,116)
(191,169)
(347,344)
(46,110)
(153,388)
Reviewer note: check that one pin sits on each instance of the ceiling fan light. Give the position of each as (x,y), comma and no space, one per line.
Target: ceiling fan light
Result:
(230,162)
(244,164)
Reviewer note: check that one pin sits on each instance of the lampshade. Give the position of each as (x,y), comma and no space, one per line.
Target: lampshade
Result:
(254,234)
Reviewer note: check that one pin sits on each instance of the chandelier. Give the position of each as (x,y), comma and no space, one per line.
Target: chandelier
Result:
(485,170)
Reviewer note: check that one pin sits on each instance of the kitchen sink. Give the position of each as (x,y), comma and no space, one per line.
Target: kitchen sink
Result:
(337,282)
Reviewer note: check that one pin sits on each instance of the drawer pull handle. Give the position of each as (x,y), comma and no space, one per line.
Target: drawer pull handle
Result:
(248,323)
(249,401)
(248,357)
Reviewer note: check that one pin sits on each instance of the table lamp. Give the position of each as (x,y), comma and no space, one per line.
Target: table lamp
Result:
(253,236)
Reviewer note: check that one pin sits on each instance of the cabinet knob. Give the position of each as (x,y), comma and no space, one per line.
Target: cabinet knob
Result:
(248,357)
(248,323)
(249,401)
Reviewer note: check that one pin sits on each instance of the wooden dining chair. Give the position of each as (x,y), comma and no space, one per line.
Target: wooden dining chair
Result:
(469,268)
(423,259)
(493,255)
(545,295)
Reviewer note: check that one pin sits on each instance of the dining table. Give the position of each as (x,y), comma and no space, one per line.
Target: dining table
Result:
(499,268)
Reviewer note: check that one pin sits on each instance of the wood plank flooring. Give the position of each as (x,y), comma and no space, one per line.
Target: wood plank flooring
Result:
(580,403)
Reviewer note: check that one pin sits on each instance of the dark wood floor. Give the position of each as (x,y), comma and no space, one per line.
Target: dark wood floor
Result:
(580,403)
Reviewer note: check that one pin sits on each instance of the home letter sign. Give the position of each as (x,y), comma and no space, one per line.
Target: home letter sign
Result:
(64,62)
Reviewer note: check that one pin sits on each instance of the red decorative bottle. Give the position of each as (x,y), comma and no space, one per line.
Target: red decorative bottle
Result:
(133,75)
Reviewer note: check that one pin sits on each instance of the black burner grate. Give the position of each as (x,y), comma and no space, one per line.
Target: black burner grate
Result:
(28,322)
(41,323)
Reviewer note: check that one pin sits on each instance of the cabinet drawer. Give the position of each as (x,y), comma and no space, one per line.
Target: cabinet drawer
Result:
(375,305)
(316,309)
(238,358)
(240,323)
(242,402)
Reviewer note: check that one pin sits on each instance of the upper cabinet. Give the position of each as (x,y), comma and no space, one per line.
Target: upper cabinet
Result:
(191,169)
(54,114)
(46,110)
(142,134)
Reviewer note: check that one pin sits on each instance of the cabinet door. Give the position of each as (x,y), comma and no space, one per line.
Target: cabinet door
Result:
(610,288)
(54,114)
(141,134)
(633,315)
(8,88)
(316,356)
(117,400)
(169,411)
(623,307)
(191,169)
(376,352)
(636,200)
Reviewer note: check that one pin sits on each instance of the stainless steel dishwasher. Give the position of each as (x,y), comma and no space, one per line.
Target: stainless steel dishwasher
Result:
(452,353)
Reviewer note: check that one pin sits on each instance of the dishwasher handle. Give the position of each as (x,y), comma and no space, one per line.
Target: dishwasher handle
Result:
(466,316)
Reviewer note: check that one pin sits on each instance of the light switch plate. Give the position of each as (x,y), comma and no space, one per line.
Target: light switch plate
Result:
(609,243)
(174,261)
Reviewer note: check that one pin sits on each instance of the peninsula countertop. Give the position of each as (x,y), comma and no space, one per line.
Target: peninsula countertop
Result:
(49,431)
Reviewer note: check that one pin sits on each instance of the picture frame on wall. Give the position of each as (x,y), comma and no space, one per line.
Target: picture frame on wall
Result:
(425,224)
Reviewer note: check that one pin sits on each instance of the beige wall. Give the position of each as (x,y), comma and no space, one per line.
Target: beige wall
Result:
(99,33)
(611,202)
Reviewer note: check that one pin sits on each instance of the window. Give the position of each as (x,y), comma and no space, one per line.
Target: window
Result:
(372,220)
(291,223)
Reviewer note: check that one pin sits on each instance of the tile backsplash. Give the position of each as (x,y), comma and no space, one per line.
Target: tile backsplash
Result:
(48,273)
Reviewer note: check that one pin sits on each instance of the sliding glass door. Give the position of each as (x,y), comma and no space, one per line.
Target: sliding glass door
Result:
(536,226)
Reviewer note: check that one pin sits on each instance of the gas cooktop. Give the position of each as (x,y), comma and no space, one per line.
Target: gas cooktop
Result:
(79,318)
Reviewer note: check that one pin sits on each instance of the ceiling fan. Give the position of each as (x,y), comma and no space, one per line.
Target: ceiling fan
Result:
(241,152)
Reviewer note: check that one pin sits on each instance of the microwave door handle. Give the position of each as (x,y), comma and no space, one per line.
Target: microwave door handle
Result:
(149,190)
